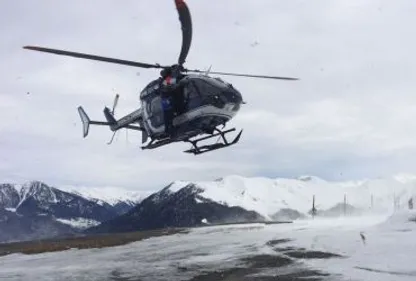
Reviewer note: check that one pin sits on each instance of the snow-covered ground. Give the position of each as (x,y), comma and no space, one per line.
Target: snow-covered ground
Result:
(389,252)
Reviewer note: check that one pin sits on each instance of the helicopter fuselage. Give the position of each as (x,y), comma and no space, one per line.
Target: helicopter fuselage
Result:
(202,104)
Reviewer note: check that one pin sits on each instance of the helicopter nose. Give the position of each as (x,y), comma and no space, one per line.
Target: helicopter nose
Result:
(234,96)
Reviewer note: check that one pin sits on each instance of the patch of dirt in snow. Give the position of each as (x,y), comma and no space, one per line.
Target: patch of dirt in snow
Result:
(264,268)
(283,266)
(277,241)
(305,254)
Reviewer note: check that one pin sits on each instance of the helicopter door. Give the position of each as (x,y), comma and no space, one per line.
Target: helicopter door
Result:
(155,112)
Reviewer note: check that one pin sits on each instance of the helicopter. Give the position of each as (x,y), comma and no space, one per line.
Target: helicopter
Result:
(201,103)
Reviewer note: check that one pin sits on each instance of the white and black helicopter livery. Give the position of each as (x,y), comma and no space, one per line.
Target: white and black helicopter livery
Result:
(201,103)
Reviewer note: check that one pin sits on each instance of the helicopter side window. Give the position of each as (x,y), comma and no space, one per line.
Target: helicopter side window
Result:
(193,97)
(207,89)
(211,93)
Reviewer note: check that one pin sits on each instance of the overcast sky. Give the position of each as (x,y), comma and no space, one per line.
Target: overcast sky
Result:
(351,116)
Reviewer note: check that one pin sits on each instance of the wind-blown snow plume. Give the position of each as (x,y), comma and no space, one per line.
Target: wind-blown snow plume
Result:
(267,196)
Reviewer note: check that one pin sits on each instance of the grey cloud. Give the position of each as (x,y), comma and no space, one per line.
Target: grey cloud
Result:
(351,113)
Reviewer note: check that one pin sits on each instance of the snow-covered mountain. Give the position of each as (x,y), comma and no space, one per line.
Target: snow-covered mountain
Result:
(187,203)
(267,196)
(120,199)
(176,208)
(230,199)
(109,195)
(39,198)
(28,210)
(13,195)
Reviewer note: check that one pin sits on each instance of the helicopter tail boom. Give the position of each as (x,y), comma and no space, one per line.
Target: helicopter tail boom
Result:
(114,124)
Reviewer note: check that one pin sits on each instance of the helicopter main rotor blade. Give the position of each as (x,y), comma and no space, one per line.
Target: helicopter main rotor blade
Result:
(186,25)
(92,57)
(244,75)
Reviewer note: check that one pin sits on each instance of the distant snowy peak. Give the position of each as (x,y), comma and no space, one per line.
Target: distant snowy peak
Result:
(110,195)
(36,197)
(13,195)
(308,178)
(405,178)
(38,191)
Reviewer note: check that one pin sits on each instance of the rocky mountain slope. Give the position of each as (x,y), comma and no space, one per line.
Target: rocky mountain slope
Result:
(9,196)
(176,208)
(36,210)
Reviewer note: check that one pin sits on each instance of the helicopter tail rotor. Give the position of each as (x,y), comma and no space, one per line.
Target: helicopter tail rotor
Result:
(115,103)
(85,121)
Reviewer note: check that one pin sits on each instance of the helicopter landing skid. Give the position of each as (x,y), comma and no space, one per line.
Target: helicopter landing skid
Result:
(199,149)
(158,143)
(210,147)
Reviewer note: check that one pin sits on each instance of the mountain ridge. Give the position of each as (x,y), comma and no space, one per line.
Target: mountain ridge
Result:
(181,208)
(260,199)
(268,195)
(232,198)
(36,210)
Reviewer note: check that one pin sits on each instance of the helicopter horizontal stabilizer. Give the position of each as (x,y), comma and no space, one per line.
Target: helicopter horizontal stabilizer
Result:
(86,121)
(210,147)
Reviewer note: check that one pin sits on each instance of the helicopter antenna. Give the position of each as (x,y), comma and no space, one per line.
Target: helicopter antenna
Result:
(208,70)
(115,103)
(112,113)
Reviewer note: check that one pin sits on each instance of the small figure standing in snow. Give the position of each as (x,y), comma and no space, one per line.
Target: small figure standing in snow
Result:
(362,237)
(410,203)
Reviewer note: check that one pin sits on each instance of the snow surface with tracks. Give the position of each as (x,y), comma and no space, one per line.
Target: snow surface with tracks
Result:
(388,253)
